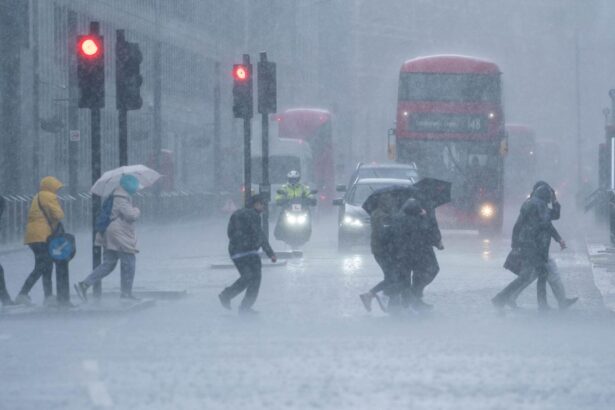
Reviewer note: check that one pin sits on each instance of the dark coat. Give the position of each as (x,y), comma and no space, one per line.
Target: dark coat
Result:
(246,234)
(415,236)
(554,214)
(381,233)
(534,231)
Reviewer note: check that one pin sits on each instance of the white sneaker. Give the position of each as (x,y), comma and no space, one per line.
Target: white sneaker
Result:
(23,300)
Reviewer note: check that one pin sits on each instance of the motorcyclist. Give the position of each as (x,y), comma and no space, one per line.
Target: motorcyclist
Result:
(294,189)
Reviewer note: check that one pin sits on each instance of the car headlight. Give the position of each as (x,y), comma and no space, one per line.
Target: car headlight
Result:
(301,219)
(353,222)
(487,211)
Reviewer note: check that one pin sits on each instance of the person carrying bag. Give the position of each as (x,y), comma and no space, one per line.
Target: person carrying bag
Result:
(42,232)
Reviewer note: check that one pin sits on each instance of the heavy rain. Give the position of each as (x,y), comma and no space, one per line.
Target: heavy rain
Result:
(293,204)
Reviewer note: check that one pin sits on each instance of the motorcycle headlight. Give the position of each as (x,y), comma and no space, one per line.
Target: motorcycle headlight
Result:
(291,219)
(487,211)
(302,219)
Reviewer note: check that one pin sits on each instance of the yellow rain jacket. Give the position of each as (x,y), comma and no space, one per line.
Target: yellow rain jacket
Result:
(38,229)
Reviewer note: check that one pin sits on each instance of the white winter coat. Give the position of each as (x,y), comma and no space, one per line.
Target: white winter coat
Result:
(120,234)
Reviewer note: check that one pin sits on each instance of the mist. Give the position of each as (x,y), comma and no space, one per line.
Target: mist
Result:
(345,121)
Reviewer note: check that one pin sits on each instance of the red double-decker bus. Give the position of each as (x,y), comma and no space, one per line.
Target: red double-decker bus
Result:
(313,126)
(450,123)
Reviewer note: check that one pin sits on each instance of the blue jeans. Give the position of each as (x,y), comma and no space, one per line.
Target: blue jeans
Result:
(127,269)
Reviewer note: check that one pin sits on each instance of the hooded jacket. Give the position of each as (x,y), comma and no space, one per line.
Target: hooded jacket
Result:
(415,237)
(120,235)
(535,228)
(38,228)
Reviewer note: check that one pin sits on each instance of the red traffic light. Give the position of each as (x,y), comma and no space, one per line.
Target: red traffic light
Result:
(89,47)
(241,72)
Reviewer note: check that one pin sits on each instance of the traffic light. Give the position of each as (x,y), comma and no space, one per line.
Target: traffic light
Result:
(91,71)
(128,78)
(267,87)
(242,91)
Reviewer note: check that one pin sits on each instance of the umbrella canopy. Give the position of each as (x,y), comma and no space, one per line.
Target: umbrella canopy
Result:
(429,191)
(435,191)
(110,180)
(398,193)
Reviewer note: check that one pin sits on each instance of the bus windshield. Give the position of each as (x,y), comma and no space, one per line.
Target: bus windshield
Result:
(449,87)
(470,166)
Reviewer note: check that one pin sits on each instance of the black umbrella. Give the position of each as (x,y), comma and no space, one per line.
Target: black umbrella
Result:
(430,192)
(399,193)
(435,191)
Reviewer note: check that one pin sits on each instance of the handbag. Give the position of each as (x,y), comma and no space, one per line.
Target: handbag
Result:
(61,246)
(514,261)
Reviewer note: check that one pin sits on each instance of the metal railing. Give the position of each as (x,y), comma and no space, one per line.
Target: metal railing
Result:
(159,208)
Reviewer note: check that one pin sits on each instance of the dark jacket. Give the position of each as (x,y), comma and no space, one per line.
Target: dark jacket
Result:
(245,233)
(554,215)
(415,237)
(534,232)
(381,233)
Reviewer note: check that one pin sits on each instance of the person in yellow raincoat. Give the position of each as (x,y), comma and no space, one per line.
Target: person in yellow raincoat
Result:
(44,216)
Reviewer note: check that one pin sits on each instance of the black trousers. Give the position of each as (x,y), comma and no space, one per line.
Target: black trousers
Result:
(390,284)
(43,267)
(4,294)
(249,268)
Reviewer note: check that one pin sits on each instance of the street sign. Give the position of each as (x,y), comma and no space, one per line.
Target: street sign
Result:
(74,135)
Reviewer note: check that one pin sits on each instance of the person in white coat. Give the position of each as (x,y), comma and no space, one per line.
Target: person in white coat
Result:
(119,241)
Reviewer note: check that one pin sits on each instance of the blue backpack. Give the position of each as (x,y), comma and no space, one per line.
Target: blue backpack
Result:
(103,220)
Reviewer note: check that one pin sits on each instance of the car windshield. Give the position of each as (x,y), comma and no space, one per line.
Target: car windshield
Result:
(360,192)
(384,172)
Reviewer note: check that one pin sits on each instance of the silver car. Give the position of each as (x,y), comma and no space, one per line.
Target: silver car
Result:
(353,222)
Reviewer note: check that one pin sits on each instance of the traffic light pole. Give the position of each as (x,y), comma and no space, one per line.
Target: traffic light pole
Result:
(123,135)
(265,187)
(247,159)
(96,160)
(247,149)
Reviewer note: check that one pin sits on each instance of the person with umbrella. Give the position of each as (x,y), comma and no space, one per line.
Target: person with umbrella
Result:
(382,246)
(416,234)
(119,240)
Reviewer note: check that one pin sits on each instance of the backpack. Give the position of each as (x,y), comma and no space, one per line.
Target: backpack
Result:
(103,220)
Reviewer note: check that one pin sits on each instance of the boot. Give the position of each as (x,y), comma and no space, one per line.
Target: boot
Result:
(225,301)
(366,298)
(247,312)
(566,303)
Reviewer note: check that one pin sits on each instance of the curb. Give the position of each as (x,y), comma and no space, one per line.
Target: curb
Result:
(602,263)
(82,310)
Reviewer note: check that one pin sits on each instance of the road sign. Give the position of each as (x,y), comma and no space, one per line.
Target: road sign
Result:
(74,135)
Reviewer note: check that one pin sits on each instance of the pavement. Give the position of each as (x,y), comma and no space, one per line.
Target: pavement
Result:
(313,345)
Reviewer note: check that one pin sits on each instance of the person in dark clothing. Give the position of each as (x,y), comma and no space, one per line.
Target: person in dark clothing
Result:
(416,234)
(382,246)
(5,298)
(246,237)
(550,273)
(531,235)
